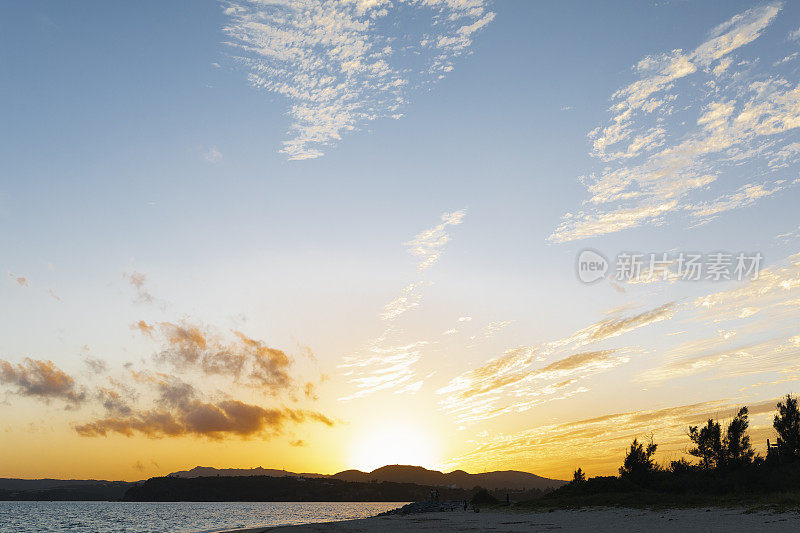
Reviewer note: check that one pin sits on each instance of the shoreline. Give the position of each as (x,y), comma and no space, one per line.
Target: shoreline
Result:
(595,519)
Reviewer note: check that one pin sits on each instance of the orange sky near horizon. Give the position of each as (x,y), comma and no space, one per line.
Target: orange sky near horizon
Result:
(189,282)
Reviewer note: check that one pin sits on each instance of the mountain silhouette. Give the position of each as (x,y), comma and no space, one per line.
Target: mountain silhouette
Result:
(506,479)
(208,471)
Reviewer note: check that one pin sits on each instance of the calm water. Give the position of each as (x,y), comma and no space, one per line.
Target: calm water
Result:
(182,516)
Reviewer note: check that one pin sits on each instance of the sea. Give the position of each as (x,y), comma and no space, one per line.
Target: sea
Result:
(206,517)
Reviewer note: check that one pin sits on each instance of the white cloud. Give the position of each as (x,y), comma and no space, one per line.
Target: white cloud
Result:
(387,364)
(654,165)
(428,244)
(212,155)
(341,64)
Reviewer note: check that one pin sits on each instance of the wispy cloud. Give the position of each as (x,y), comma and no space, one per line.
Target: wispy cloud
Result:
(25,282)
(428,244)
(518,380)
(22,281)
(388,361)
(212,155)
(138,281)
(753,324)
(342,64)
(95,364)
(688,119)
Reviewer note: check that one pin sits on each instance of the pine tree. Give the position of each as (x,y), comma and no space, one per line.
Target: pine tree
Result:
(738,450)
(639,459)
(787,424)
(708,444)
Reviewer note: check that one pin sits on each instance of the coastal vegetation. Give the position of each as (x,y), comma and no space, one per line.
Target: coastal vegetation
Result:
(725,469)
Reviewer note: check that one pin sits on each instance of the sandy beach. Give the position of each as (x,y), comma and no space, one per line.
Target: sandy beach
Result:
(595,520)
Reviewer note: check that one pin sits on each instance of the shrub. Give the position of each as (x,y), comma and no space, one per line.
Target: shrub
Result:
(639,460)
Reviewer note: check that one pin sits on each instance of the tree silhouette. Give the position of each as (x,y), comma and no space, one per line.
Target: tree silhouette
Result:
(639,460)
(716,451)
(787,424)
(708,444)
(579,476)
(737,441)
(681,466)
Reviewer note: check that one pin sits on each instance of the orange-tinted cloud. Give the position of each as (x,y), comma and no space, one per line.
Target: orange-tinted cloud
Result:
(513,383)
(181,410)
(616,326)
(599,443)
(144,328)
(310,391)
(270,366)
(41,379)
(246,359)
(22,281)
(202,419)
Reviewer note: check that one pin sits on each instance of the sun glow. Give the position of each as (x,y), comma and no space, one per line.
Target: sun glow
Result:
(394,444)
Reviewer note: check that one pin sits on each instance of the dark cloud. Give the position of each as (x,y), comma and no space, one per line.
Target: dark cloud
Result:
(113,402)
(96,365)
(180,410)
(203,419)
(41,379)
(299,443)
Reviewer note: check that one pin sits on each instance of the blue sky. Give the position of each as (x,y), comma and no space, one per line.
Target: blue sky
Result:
(136,141)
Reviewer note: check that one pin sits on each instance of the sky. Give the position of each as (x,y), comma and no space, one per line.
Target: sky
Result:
(342,234)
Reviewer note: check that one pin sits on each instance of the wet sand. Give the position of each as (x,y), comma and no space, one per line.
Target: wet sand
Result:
(595,520)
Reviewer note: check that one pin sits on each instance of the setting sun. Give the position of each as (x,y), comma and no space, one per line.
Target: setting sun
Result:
(403,444)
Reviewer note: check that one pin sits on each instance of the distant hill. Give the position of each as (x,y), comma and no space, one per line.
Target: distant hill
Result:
(387,482)
(299,489)
(507,479)
(62,489)
(208,471)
